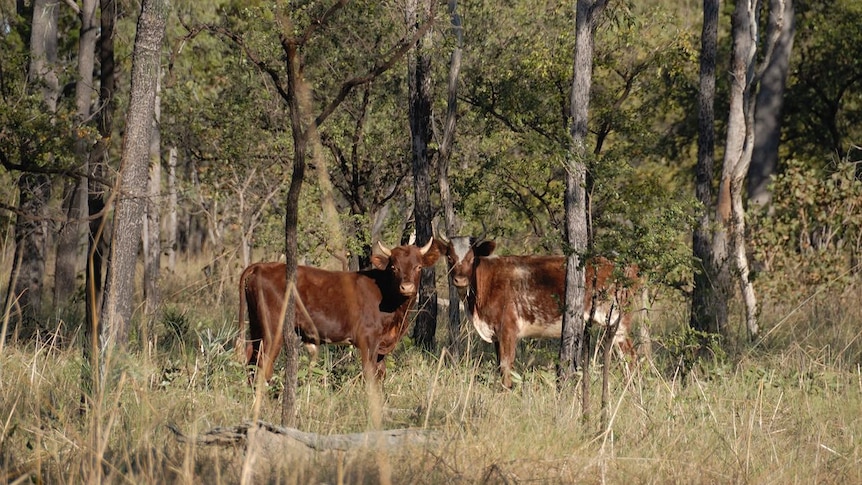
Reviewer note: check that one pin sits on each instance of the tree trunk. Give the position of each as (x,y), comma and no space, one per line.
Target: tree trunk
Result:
(172,210)
(573,336)
(152,220)
(708,301)
(31,232)
(69,239)
(31,240)
(116,311)
(71,232)
(291,219)
(737,155)
(770,100)
(444,153)
(96,170)
(419,75)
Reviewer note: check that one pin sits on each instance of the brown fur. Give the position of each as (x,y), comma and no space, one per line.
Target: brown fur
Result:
(366,309)
(503,291)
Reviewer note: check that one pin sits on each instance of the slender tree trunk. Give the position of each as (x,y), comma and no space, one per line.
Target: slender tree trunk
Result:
(737,155)
(172,210)
(709,301)
(295,88)
(770,101)
(71,234)
(31,240)
(419,75)
(116,311)
(152,219)
(69,240)
(31,232)
(573,349)
(444,153)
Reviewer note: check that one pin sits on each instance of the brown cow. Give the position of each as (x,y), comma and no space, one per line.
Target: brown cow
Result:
(512,297)
(366,309)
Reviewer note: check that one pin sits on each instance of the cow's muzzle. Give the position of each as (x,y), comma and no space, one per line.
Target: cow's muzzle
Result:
(461,281)
(407,289)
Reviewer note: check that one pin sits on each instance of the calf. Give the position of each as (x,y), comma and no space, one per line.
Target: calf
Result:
(512,297)
(366,309)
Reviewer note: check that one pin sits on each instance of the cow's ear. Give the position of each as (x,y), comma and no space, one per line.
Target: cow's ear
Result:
(379,261)
(484,248)
(429,258)
(441,246)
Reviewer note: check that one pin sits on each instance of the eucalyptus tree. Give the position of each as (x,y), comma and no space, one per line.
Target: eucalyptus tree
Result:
(708,303)
(444,153)
(70,235)
(116,311)
(419,80)
(769,104)
(26,282)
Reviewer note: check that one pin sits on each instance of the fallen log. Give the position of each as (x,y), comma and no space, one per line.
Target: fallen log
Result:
(244,434)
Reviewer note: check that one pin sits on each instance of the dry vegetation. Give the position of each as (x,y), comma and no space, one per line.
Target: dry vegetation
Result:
(786,411)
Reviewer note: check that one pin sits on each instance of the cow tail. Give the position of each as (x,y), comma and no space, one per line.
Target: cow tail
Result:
(240,336)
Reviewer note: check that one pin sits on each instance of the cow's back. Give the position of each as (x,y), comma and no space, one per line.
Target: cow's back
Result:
(520,294)
(340,304)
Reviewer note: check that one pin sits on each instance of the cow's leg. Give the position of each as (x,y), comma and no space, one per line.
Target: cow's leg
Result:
(252,358)
(368,357)
(276,341)
(380,371)
(504,344)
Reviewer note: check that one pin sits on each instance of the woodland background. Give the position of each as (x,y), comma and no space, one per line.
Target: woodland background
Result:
(785,405)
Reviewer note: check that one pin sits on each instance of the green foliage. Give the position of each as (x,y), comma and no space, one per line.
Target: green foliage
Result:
(812,234)
(823,104)
(688,349)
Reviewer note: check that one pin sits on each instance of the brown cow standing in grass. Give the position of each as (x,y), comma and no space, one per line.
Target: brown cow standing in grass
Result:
(512,297)
(366,309)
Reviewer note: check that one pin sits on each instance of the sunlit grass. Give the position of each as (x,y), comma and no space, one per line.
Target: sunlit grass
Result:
(788,410)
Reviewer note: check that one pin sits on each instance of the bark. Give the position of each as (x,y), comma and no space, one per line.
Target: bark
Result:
(116,310)
(419,75)
(770,101)
(444,153)
(69,240)
(152,220)
(268,445)
(573,350)
(31,240)
(172,210)
(291,219)
(737,156)
(71,234)
(26,282)
(709,301)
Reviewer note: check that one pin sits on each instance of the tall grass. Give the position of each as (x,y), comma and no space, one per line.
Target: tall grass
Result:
(786,411)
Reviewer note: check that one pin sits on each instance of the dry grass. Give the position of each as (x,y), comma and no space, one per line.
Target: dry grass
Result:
(786,411)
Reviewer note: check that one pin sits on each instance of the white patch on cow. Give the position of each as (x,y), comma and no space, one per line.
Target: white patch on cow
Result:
(542,329)
(483,328)
(461,245)
(539,326)
(601,318)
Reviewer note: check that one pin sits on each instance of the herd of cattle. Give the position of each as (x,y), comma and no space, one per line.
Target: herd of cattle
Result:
(507,298)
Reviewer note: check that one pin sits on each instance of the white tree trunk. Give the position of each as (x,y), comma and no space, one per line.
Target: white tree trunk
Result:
(738,150)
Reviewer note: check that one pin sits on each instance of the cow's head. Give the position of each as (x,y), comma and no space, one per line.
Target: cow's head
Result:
(462,253)
(405,263)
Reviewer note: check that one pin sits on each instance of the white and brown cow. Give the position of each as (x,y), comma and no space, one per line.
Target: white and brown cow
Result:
(513,297)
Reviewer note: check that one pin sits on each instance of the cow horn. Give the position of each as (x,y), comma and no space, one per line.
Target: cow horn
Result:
(424,249)
(441,231)
(384,249)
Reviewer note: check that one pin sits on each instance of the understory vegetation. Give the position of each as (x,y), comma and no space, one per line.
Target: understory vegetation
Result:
(787,409)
